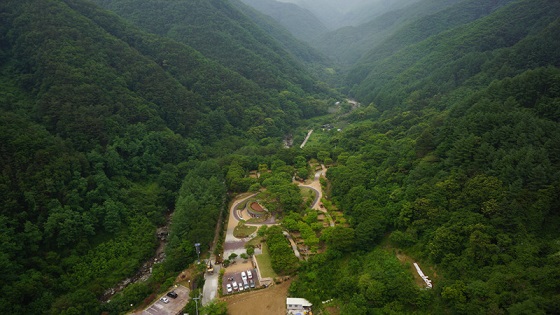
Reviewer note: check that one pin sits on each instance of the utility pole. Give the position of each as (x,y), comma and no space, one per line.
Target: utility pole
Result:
(196,302)
(197,246)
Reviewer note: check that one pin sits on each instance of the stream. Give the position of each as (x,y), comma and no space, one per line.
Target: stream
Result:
(146,270)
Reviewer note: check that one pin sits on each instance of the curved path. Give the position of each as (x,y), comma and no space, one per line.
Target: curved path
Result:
(316,186)
(233,208)
(233,244)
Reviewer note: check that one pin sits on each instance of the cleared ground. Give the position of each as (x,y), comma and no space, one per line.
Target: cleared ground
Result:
(269,301)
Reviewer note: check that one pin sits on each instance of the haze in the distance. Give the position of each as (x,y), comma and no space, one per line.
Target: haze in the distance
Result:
(336,13)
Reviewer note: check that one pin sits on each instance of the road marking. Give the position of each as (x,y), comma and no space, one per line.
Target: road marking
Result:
(148,311)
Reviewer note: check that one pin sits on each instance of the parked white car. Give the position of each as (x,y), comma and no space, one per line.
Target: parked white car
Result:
(229,289)
(165,300)
(243,275)
(234,284)
(249,274)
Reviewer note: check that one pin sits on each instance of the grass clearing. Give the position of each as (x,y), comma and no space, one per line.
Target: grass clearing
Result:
(242,230)
(254,241)
(409,261)
(307,194)
(265,265)
(318,137)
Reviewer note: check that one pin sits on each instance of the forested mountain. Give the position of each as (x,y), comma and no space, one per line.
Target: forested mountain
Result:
(112,127)
(454,162)
(474,53)
(347,45)
(219,31)
(300,22)
(100,123)
(301,51)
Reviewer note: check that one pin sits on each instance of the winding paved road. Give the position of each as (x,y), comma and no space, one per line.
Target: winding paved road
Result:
(316,186)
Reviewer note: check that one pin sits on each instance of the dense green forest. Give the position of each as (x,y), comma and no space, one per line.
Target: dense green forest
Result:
(297,20)
(453,162)
(219,31)
(101,122)
(348,44)
(113,124)
(472,191)
(501,45)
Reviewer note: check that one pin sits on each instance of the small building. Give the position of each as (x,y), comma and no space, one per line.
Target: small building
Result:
(327,127)
(298,306)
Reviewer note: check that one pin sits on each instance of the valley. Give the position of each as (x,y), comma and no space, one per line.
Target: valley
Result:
(326,147)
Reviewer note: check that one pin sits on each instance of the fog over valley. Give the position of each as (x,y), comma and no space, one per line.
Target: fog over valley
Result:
(335,14)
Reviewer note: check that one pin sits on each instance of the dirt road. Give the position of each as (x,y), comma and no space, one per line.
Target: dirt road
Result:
(306,138)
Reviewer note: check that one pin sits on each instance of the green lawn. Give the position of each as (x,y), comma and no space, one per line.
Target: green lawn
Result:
(264,263)
(242,230)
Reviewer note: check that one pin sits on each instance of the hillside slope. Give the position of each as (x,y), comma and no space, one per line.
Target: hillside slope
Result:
(444,61)
(221,32)
(300,22)
(99,124)
(452,164)
(348,44)
(300,50)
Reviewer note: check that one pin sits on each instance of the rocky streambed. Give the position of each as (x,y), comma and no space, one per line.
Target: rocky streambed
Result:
(145,271)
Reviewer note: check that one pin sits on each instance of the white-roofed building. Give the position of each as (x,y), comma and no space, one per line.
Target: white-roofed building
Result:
(298,306)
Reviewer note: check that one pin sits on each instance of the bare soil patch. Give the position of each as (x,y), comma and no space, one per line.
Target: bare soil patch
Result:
(270,301)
